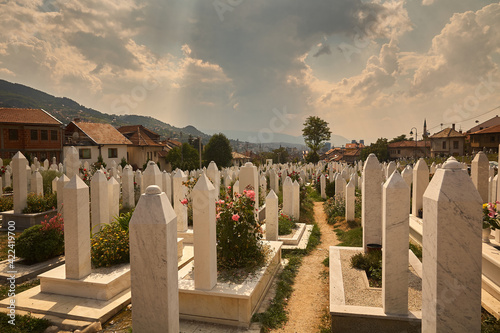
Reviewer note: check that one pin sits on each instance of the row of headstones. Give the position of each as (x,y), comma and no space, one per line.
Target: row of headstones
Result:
(451,282)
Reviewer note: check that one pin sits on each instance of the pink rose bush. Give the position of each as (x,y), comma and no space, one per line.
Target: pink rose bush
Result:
(238,232)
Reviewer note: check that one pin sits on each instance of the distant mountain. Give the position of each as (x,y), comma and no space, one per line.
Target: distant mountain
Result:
(65,110)
(266,137)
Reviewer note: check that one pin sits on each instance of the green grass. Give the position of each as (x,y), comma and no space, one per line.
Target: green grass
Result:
(23,324)
(489,324)
(276,315)
(353,237)
(417,250)
(4,289)
(314,195)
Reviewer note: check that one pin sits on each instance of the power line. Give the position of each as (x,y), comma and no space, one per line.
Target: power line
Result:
(476,116)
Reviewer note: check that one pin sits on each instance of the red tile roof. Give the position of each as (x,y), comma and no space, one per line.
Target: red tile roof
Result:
(409,144)
(103,134)
(492,129)
(27,116)
(140,135)
(448,133)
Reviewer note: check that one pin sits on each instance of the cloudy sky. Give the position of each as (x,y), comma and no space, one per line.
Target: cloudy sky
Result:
(370,68)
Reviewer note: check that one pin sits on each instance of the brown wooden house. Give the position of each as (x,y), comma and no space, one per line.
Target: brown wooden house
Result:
(33,132)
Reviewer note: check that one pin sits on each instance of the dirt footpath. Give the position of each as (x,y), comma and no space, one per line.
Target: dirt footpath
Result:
(309,300)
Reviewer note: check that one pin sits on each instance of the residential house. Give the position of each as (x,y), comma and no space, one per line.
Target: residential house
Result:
(146,145)
(33,132)
(94,139)
(488,123)
(409,149)
(447,142)
(239,159)
(487,138)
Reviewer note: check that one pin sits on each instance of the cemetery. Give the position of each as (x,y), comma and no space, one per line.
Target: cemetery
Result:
(417,247)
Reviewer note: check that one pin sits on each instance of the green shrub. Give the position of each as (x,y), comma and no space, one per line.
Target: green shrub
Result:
(371,263)
(6,203)
(330,189)
(110,246)
(39,203)
(23,324)
(334,208)
(42,242)
(48,176)
(124,219)
(285,225)
(8,189)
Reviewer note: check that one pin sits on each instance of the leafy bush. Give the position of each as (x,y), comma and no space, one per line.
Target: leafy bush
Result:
(42,242)
(48,176)
(25,323)
(110,246)
(285,224)
(124,219)
(334,208)
(39,203)
(6,203)
(8,189)
(330,189)
(371,263)
(238,233)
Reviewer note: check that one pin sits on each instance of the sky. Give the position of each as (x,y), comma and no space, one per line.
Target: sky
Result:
(369,68)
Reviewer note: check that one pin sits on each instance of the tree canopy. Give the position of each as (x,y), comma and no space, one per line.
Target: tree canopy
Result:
(379,148)
(185,158)
(315,132)
(219,150)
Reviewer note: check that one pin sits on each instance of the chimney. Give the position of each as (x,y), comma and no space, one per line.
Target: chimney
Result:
(453,126)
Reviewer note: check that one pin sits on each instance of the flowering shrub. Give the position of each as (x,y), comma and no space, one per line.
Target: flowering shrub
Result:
(39,203)
(110,246)
(42,242)
(238,233)
(294,176)
(285,225)
(491,216)
(6,203)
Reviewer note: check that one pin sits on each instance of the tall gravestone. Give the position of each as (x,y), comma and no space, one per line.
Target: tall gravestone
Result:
(99,200)
(204,231)
(113,198)
(128,190)
(19,182)
(76,229)
(350,199)
(72,162)
(179,193)
(272,216)
(451,283)
(371,201)
(420,183)
(249,176)
(152,176)
(153,264)
(480,169)
(396,228)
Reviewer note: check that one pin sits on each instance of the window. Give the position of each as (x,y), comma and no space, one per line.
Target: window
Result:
(455,144)
(112,152)
(44,135)
(444,144)
(13,135)
(399,151)
(34,135)
(84,153)
(492,138)
(43,156)
(53,135)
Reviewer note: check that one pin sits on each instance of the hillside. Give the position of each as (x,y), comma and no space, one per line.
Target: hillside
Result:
(65,110)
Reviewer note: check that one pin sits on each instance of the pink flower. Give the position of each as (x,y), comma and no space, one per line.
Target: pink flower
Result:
(229,187)
(184,201)
(235,217)
(250,195)
(217,216)
(492,214)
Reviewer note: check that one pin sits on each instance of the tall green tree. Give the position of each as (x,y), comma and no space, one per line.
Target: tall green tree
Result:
(315,133)
(219,150)
(379,148)
(185,158)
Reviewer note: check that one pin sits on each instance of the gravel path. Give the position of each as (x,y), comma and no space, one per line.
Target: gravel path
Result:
(310,298)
